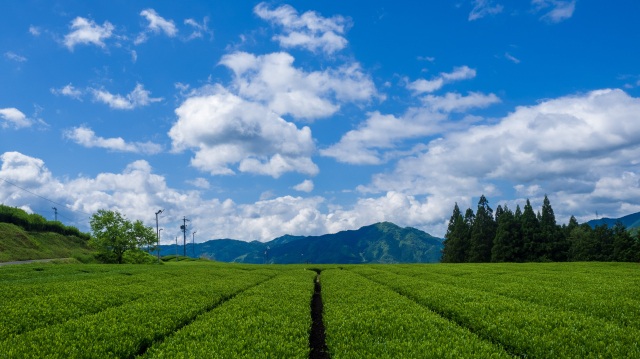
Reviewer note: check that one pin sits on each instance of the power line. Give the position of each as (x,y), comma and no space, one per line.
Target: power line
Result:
(46,199)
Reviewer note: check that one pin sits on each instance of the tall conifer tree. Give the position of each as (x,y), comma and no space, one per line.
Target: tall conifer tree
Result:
(469,220)
(506,244)
(455,243)
(530,228)
(482,232)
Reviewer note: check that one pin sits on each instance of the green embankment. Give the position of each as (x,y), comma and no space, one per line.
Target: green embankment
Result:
(17,244)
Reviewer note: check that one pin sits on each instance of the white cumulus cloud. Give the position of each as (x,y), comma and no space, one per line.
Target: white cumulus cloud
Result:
(380,133)
(85,31)
(575,147)
(304,186)
(273,81)
(225,130)
(12,117)
(137,191)
(200,183)
(309,30)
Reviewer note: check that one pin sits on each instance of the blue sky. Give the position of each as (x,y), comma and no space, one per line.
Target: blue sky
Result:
(258,119)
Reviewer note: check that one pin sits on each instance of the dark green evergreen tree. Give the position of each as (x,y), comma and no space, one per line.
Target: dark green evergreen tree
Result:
(499,212)
(623,244)
(582,244)
(635,249)
(506,244)
(552,242)
(573,223)
(604,243)
(469,220)
(518,213)
(530,229)
(483,232)
(455,242)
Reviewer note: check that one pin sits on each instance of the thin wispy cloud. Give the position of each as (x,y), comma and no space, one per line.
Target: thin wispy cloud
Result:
(199,30)
(554,11)
(459,73)
(139,97)
(511,58)
(10,55)
(69,91)
(86,137)
(156,24)
(483,8)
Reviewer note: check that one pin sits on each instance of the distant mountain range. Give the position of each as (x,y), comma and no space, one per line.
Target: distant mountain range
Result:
(632,221)
(378,243)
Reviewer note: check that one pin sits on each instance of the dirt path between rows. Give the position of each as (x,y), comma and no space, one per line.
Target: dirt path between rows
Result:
(33,261)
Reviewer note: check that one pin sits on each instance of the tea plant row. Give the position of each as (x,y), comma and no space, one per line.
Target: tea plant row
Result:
(213,310)
(127,329)
(523,328)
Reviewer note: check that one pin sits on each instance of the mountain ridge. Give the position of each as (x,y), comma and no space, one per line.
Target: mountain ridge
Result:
(631,221)
(382,242)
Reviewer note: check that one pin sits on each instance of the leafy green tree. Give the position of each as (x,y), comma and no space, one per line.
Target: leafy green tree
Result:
(144,236)
(114,235)
(456,243)
(483,232)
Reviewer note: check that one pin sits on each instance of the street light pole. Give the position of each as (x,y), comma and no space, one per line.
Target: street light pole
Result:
(158,233)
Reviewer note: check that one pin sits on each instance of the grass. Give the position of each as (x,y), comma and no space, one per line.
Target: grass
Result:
(16,244)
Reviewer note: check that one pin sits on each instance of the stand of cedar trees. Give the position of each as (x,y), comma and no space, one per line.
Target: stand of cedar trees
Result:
(524,236)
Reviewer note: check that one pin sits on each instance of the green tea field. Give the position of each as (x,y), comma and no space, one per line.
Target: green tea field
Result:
(215,310)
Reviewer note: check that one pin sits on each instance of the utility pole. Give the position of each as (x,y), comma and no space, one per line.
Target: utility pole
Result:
(158,233)
(55,211)
(193,242)
(184,235)
(159,236)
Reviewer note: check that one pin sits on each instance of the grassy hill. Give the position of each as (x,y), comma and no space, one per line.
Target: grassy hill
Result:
(17,244)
